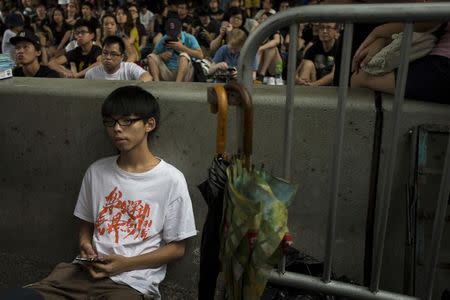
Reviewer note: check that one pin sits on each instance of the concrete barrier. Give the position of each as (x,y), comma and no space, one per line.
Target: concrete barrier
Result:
(52,131)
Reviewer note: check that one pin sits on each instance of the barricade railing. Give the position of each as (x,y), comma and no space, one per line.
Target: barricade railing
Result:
(347,15)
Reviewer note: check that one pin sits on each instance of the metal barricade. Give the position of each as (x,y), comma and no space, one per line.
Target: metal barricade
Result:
(348,14)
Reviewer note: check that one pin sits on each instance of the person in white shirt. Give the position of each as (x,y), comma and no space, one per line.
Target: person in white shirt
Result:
(15,24)
(134,210)
(146,17)
(113,67)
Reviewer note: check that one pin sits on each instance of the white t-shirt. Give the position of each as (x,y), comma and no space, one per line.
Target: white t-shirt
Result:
(7,47)
(127,71)
(146,18)
(135,213)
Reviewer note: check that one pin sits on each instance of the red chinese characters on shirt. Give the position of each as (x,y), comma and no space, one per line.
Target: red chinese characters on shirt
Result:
(132,218)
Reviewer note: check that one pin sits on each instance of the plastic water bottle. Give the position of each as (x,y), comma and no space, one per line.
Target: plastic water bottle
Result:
(6,65)
(278,67)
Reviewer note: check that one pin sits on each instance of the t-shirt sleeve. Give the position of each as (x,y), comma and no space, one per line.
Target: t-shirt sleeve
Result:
(83,208)
(135,71)
(311,52)
(219,55)
(179,223)
(192,42)
(71,55)
(89,74)
(159,48)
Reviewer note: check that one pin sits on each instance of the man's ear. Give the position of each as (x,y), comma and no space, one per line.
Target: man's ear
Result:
(150,125)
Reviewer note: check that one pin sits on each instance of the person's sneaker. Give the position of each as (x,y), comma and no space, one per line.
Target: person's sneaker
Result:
(265,79)
(279,80)
(270,80)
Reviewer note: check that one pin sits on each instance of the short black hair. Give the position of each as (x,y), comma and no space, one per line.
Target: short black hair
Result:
(202,11)
(84,23)
(232,11)
(89,4)
(132,100)
(111,40)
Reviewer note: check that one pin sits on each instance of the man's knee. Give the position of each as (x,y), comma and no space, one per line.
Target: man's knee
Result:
(184,57)
(152,57)
(308,65)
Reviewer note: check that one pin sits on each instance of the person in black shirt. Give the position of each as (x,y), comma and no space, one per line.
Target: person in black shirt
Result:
(183,15)
(206,29)
(318,65)
(87,13)
(28,51)
(82,58)
(215,11)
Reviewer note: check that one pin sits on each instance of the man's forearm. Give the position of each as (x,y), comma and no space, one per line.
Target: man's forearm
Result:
(388,29)
(58,68)
(83,72)
(197,53)
(162,256)
(86,231)
(326,80)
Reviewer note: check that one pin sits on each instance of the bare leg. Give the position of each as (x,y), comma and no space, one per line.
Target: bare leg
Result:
(266,60)
(273,62)
(153,66)
(383,83)
(182,68)
(306,72)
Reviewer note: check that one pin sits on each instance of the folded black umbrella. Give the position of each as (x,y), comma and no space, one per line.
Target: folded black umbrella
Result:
(212,190)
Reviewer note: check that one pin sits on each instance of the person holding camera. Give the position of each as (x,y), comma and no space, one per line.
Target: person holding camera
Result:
(206,29)
(226,59)
(171,58)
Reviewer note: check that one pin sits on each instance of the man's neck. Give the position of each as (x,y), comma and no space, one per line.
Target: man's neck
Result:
(85,49)
(114,70)
(328,45)
(31,69)
(137,160)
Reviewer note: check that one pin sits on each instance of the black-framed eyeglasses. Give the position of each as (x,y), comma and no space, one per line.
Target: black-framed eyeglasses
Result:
(326,28)
(112,54)
(81,32)
(122,122)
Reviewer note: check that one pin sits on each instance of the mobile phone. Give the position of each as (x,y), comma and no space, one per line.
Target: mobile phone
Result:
(89,260)
(171,39)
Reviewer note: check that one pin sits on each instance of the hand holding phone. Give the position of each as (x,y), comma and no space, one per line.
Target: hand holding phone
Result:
(88,260)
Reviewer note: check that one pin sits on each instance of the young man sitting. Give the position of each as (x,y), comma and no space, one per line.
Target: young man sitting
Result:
(83,57)
(317,67)
(113,67)
(28,51)
(134,210)
(171,59)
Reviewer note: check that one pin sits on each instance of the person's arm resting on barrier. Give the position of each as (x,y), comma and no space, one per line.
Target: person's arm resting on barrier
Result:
(380,37)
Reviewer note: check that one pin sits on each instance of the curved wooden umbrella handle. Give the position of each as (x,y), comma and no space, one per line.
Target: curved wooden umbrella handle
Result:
(247,106)
(222,113)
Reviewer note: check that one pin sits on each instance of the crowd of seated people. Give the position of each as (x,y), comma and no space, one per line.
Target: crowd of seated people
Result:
(170,38)
(71,35)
